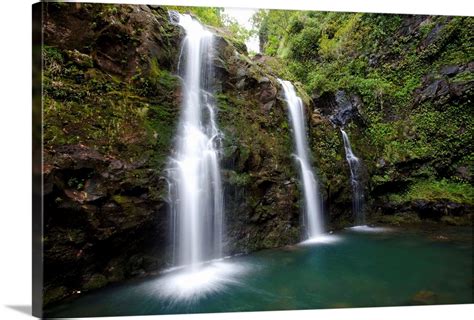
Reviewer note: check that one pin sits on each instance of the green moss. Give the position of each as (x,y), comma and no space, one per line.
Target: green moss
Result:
(400,219)
(237,179)
(207,15)
(121,200)
(456,221)
(437,190)
(465,76)
(116,117)
(96,281)
(154,82)
(52,59)
(54,294)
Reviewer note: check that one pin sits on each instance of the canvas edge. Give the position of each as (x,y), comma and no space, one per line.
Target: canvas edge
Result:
(37,168)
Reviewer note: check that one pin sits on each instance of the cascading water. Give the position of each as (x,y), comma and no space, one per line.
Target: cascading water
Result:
(312,198)
(195,183)
(354,166)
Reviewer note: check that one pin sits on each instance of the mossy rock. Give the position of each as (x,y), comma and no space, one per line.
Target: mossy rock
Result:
(424,297)
(95,281)
(400,219)
(54,294)
(457,220)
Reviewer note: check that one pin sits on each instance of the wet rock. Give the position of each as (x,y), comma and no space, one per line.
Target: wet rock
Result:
(241,84)
(325,102)
(341,305)
(54,294)
(268,106)
(456,220)
(86,208)
(444,90)
(340,107)
(449,70)
(411,24)
(433,35)
(424,297)
(241,72)
(268,93)
(422,210)
(373,60)
(463,172)
(95,281)
(115,45)
(316,118)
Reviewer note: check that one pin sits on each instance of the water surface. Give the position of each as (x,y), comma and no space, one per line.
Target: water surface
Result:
(357,268)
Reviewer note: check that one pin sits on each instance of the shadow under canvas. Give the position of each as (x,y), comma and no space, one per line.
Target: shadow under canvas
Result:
(25,309)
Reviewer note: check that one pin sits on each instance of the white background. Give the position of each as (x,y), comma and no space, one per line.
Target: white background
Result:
(15,157)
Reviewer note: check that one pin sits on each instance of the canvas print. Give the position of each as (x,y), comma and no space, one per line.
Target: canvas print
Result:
(195,159)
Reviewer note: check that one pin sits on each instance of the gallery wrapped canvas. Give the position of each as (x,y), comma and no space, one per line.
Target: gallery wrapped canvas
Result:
(194,159)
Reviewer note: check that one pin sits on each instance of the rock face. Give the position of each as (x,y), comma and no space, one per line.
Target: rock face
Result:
(445,87)
(119,39)
(404,98)
(340,107)
(111,107)
(103,222)
(260,186)
(444,90)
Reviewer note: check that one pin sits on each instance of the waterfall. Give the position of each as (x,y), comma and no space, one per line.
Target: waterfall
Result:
(312,197)
(354,166)
(195,192)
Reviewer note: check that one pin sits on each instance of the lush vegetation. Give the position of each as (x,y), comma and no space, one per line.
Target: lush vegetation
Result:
(209,16)
(397,66)
(83,105)
(215,17)
(437,190)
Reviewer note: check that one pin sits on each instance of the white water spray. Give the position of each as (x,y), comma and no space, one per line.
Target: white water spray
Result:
(195,182)
(312,197)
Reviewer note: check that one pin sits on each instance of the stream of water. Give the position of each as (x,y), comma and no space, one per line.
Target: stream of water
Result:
(312,198)
(357,188)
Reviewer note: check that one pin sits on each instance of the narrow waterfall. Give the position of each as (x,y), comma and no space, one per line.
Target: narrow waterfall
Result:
(358,194)
(195,183)
(312,197)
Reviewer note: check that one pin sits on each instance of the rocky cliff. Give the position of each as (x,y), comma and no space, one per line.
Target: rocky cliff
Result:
(112,101)
(111,105)
(401,85)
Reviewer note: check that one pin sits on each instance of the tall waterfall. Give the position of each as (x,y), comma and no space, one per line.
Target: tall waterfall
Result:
(194,174)
(354,166)
(312,197)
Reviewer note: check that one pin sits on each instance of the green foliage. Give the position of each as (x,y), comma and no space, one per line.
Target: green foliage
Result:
(215,16)
(52,59)
(305,45)
(338,41)
(272,28)
(208,15)
(155,81)
(237,32)
(237,179)
(387,60)
(433,190)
